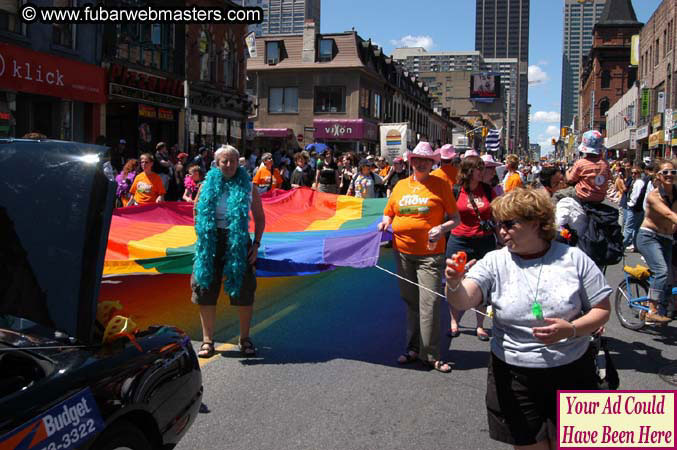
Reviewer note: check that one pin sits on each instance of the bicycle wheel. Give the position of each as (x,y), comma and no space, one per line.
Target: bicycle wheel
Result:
(628,315)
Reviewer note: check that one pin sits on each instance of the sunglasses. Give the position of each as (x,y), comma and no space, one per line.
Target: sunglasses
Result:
(507,224)
(666,172)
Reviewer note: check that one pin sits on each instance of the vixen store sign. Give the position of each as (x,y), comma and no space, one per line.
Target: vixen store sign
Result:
(24,70)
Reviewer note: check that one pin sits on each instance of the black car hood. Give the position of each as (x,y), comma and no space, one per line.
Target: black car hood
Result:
(55,212)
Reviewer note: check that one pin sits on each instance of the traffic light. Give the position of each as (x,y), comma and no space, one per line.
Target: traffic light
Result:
(564,132)
(554,141)
(485,131)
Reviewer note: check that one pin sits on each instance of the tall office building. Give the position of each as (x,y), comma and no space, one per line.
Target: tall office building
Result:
(502,31)
(436,67)
(284,16)
(580,16)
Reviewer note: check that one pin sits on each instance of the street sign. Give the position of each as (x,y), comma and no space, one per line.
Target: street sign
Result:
(633,139)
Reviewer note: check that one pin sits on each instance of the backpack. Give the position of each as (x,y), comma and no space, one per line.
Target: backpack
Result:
(602,239)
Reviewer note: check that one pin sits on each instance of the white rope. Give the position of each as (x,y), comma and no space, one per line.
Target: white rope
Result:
(425,288)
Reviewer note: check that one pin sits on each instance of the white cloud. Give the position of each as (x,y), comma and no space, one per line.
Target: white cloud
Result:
(537,76)
(545,116)
(542,62)
(552,130)
(414,41)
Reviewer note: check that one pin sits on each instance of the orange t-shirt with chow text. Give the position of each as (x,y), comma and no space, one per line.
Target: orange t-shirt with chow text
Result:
(264,178)
(147,188)
(415,208)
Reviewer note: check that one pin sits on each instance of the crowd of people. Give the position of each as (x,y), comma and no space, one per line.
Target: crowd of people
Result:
(517,224)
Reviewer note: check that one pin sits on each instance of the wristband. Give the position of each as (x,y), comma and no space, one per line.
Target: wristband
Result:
(456,288)
(575,332)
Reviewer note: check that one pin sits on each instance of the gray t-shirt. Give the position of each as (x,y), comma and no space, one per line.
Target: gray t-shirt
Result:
(570,284)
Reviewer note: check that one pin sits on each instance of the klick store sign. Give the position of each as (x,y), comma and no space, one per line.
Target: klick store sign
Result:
(24,70)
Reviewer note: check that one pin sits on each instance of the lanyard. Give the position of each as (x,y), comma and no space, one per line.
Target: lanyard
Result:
(536,307)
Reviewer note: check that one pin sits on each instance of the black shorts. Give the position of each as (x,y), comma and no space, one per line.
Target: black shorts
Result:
(522,402)
(209,296)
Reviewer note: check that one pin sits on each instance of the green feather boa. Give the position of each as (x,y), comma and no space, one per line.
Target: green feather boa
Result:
(238,192)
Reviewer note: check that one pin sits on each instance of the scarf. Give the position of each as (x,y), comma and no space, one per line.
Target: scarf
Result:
(237,191)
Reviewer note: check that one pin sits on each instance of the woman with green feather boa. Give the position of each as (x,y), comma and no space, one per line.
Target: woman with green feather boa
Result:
(223,249)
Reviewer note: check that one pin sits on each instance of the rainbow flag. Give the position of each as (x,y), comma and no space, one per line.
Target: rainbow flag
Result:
(307,232)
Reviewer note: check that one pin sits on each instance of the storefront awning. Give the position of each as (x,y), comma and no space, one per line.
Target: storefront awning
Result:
(273,132)
(345,129)
(24,70)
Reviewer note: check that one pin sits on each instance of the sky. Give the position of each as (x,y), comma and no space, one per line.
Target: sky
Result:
(449,25)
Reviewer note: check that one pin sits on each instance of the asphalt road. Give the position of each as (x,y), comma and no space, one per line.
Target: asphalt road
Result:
(326,375)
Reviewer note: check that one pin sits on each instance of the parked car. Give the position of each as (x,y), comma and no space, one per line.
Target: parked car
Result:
(61,386)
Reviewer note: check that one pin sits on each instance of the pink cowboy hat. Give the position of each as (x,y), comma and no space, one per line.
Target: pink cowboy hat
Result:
(470,152)
(489,161)
(424,150)
(447,151)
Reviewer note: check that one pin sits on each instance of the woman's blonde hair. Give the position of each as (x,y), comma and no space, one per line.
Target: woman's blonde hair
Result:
(527,204)
(512,161)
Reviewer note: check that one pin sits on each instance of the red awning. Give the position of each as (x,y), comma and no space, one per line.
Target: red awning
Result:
(273,132)
(25,70)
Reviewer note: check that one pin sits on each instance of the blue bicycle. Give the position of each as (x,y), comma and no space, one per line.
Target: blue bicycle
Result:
(632,297)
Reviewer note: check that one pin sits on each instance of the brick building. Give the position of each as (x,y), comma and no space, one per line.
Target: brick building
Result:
(657,80)
(335,88)
(216,70)
(605,72)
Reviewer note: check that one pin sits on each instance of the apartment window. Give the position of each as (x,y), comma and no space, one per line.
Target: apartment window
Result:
(364,101)
(205,49)
(326,50)
(283,100)
(9,17)
(63,34)
(665,42)
(377,105)
(273,52)
(656,56)
(330,99)
(229,63)
(606,79)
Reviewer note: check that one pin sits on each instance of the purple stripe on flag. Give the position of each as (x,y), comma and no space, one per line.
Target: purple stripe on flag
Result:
(358,251)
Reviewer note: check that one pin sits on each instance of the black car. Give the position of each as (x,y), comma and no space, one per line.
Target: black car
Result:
(61,387)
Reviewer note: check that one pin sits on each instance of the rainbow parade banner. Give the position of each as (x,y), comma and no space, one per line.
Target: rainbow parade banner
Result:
(306,232)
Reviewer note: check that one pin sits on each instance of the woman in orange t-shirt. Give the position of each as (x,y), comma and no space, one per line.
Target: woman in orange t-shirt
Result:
(421,210)
(147,187)
(267,178)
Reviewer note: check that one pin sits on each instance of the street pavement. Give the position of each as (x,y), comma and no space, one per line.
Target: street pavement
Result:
(326,375)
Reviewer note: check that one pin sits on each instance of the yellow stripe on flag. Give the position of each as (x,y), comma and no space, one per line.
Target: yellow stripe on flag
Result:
(347,208)
(156,246)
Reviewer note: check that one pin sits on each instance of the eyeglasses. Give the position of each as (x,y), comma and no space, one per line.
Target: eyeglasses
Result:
(507,224)
(666,172)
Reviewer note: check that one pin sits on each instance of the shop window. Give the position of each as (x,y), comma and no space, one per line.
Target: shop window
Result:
(229,64)
(606,79)
(9,16)
(63,34)
(330,99)
(326,50)
(273,52)
(283,100)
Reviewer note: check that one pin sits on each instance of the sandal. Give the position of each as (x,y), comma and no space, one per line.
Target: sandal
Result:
(439,365)
(206,350)
(452,334)
(484,337)
(246,347)
(407,358)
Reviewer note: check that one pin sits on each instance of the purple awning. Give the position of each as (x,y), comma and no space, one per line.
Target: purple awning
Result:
(348,129)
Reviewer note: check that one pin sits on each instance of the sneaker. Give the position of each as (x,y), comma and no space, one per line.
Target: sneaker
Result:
(657,318)
(630,249)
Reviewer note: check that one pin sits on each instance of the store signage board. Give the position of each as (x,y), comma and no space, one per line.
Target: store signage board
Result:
(642,132)
(24,70)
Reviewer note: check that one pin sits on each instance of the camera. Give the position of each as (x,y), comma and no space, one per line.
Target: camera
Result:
(487,225)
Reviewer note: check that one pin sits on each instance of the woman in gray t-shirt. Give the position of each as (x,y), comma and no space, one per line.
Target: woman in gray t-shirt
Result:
(547,299)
